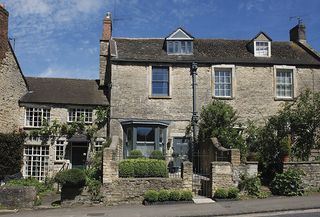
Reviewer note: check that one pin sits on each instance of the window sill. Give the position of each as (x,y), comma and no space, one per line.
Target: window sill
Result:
(160,97)
(284,99)
(223,97)
(31,128)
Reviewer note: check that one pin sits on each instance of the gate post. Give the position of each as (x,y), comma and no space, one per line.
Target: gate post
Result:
(186,175)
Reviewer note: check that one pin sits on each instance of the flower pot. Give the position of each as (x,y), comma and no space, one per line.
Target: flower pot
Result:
(285,158)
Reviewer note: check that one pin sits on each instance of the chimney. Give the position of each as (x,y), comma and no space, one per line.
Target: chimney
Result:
(107,27)
(4,15)
(298,33)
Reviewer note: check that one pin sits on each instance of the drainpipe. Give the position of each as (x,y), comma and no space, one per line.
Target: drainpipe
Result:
(195,117)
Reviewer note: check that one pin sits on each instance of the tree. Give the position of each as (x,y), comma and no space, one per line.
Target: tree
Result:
(218,119)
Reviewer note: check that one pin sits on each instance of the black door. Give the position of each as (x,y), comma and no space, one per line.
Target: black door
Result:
(181,149)
(79,155)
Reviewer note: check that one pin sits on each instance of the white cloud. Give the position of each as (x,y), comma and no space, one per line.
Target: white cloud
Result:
(72,72)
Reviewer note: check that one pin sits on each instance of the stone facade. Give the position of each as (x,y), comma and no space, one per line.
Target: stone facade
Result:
(311,179)
(17,197)
(254,94)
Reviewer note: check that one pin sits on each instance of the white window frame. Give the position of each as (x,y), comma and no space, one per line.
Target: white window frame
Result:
(179,47)
(36,156)
(45,115)
(257,54)
(77,112)
(293,82)
(233,80)
(59,151)
(98,146)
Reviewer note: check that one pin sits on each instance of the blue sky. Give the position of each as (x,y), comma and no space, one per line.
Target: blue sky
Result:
(60,38)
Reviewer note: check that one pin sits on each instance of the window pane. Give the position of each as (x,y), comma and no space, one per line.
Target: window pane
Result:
(284,83)
(222,84)
(160,81)
(145,134)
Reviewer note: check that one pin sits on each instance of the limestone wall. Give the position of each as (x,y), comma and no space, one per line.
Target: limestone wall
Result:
(311,179)
(17,197)
(12,88)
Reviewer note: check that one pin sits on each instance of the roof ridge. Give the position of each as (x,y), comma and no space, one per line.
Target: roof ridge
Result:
(60,78)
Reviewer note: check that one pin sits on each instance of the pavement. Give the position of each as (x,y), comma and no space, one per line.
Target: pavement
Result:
(229,208)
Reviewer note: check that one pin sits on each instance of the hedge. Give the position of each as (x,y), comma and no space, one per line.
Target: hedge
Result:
(141,168)
(11,154)
(167,195)
(72,177)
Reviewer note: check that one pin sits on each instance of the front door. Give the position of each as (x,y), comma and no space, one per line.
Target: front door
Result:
(181,149)
(79,153)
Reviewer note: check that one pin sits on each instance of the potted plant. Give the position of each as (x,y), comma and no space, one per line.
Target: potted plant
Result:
(285,148)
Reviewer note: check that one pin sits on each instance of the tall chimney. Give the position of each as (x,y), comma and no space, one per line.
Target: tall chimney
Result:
(298,33)
(107,27)
(4,15)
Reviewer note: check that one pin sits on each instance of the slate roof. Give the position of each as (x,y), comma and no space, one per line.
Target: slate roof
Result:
(64,91)
(210,51)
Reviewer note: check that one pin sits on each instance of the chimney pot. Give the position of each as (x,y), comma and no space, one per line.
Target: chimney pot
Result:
(107,27)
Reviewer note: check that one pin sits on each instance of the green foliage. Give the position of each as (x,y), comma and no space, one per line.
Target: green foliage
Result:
(186,195)
(41,187)
(288,183)
(140,168)
(175,195)
(151,196)
(94,189)
(102,115)
(251,185)
(157,154)
(233,193)
(221,193)
(218,119)
(11,154)
(164,195)
(72,177)
(134,154)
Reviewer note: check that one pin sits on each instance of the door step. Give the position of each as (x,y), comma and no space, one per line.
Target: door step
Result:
(202,200)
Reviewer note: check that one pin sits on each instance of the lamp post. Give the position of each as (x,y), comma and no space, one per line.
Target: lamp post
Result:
(195,117)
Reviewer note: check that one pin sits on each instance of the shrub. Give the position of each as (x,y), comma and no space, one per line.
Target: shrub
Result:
(251,185)
(11,154)
(126,169)
(175,195)
(151,196)
(221,193)
(41,187)
(94,188)
(233,193)
(288,183)
(140,168)
(157,154)
(134,154)
(164,195)
(186,195)
(72,178)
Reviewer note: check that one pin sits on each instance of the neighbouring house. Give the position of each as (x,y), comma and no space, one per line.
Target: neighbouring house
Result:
(149,87)
(29,103)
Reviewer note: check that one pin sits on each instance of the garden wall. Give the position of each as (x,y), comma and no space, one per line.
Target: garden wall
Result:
(17,197)
(311,179)
(131,190)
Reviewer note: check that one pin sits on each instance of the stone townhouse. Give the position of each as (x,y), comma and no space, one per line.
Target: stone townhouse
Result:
(27,103)
(150,87)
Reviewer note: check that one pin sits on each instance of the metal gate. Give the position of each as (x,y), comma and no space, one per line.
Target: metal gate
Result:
(201,179)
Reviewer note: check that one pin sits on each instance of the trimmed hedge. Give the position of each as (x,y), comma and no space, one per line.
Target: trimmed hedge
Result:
(157,154)
(71,178)
(141,168)
(135,154)
(11,154)
(230,193)
(167,195)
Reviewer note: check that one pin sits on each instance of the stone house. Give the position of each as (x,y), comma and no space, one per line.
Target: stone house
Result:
(27,103)
(150,88)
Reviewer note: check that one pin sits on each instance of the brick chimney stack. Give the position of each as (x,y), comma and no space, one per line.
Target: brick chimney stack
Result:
(107,27)
(298,33)
(4,15)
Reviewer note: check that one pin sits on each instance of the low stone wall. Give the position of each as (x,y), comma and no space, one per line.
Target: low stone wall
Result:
(131,190)
(226,174)
(17,197)
(311,179)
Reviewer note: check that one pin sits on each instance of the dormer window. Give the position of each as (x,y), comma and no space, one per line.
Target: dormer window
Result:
(262,48)
(179,43)
(260,45)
